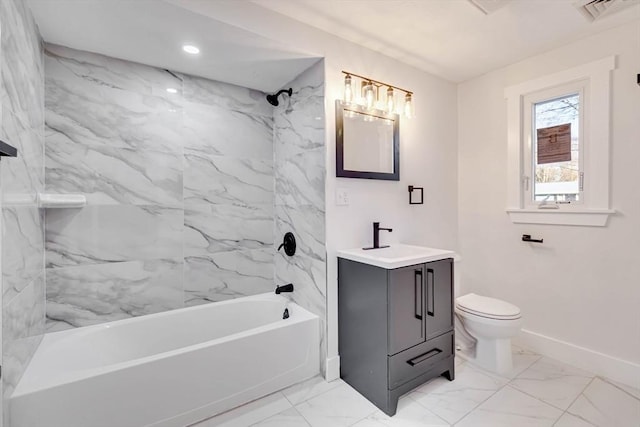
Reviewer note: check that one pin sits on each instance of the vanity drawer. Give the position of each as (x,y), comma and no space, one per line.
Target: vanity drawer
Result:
(419,359)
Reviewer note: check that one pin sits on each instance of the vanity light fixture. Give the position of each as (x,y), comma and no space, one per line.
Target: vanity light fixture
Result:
(193,50)
(172,90)
(369,90)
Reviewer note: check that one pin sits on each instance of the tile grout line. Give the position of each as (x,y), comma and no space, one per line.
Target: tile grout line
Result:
(547,403)
(241,406)
(364,418)
(513,388)
(301,416)
(616,386)
(580,417)
(314,396)
(478,405)
(551,404)
(320,394)
(566,411)
(540,357)
(278,413)
(431,412)
(273,415)
(475,407)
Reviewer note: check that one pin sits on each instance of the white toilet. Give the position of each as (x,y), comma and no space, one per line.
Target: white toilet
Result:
(492,322)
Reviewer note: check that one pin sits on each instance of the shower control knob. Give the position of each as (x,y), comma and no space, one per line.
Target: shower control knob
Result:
(289,244)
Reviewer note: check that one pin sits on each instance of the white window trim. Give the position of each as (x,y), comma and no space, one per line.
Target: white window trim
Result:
(529,101)
(596,210)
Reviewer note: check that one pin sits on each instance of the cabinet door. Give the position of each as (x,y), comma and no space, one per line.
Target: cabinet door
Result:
(406,308)
(439,297)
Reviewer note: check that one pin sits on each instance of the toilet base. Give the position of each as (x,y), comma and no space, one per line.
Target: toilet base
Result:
(494,355)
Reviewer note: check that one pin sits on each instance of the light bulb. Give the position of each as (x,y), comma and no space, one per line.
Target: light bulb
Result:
(369,96)
(379,102)
(360,100)
(348,90)
(390,101)
(408,106)
(193,50)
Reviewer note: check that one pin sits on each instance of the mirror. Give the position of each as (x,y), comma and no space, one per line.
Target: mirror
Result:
(367,143)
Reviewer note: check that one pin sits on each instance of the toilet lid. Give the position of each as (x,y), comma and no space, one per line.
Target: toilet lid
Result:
(487,307)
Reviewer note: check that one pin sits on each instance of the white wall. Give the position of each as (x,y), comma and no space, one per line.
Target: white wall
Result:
(427,145)
(581,288)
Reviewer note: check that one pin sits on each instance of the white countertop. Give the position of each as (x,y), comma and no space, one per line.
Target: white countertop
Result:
(396,256)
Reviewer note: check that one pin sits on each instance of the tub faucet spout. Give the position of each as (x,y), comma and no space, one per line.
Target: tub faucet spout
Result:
(284,288)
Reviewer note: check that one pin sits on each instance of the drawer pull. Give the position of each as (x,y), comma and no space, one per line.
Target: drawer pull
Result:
(430,293)
(428,355)
(417,284)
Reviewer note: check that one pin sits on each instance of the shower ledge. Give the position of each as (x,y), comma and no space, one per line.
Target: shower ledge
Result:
(61,201)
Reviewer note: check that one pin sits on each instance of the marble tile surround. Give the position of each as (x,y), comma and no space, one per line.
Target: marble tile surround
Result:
(21,178)
(318,403)
(226,275)
(97,293)
(23,254)
(300,171)
(188,176)
(22,64)
(111,234)
(136,177)
(23,326)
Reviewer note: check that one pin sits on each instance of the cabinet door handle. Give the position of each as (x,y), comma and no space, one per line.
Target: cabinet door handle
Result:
(430,292)
(417,283)
(426,356)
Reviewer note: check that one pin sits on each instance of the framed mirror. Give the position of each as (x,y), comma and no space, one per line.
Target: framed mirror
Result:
(367,143)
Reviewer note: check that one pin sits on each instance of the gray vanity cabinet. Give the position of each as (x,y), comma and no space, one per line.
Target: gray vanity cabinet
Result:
(395,327)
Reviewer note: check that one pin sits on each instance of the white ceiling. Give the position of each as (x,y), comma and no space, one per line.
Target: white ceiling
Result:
(152,32)
(452,38)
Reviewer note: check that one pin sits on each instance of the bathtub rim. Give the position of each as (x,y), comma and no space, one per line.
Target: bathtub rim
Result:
(298,315)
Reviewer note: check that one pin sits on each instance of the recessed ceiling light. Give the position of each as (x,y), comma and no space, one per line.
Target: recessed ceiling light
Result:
(191,49)
(172,90)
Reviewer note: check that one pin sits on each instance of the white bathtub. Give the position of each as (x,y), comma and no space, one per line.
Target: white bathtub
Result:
(167,369)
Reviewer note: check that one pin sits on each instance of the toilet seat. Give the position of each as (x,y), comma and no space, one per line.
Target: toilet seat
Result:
(490,308)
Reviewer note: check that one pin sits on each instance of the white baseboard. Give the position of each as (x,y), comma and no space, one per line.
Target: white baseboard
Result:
(602,364)
(332,371)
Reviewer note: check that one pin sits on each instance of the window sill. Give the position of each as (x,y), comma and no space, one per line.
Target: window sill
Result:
(585,217)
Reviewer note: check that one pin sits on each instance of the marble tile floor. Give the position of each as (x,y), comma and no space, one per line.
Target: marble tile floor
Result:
(538,392)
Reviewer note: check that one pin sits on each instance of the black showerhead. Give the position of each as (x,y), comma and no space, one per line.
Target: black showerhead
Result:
(273,99)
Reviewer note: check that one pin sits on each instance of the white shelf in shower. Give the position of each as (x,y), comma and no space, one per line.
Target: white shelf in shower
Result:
(61,201)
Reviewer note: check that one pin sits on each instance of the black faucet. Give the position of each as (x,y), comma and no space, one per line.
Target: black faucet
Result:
(376,235)
(284,288)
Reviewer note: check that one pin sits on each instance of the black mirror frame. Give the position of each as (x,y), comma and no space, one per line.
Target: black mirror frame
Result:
(341,172)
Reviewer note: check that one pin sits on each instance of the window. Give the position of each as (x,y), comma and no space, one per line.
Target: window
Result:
(558,136)
(553,172)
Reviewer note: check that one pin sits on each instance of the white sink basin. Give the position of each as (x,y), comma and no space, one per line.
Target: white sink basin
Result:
(396,256)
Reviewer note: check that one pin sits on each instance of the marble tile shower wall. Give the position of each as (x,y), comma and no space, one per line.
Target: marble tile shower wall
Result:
(299,159)
(179,189)
(21,178)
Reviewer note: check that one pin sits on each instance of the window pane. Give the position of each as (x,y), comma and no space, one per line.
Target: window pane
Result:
(555,159)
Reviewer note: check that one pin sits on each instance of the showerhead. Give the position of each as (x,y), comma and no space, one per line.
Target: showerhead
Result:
(273,99)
